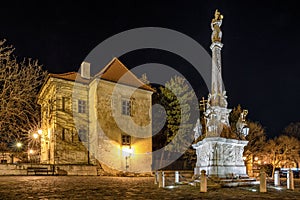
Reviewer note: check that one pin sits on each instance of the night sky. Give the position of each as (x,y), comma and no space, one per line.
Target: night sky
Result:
(259,58)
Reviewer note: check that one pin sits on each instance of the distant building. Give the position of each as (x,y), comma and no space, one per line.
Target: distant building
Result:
(81,112)
(8,158)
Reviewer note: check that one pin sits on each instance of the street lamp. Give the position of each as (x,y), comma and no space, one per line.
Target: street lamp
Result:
(127,152)
(19,144)
(35,144)
(30,152)
(35,135)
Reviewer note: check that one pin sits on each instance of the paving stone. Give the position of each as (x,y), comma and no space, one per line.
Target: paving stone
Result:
(95,187)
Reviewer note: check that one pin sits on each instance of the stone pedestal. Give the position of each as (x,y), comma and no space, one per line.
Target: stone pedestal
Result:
(220,157)
(263,181)
(203,182)
(290,180)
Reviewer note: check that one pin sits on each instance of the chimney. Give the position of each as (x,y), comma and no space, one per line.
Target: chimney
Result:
(85,70)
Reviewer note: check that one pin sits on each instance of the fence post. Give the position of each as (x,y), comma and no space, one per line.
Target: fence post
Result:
(263,181)
(290,180)
(203,181)
(276,178)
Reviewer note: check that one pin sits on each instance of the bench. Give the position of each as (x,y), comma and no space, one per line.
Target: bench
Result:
(38,170)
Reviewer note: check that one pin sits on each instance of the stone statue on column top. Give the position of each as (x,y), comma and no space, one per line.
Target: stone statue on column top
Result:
(215,26)
(241,123)
(197,129)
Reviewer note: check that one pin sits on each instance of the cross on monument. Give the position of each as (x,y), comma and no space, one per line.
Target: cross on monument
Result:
(202,104)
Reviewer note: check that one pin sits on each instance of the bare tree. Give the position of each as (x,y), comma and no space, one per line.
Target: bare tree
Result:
(282,151)
(293,129)
(256,138)
(19,85)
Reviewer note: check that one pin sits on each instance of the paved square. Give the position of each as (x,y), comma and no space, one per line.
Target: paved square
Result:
(95,187)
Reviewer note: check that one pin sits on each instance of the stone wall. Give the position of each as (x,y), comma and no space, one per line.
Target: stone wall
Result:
(112,124)
(72,170)
(60,143)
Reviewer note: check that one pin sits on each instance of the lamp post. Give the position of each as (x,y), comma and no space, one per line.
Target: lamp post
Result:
(18,148)
(30,152)
(34,148)
(127,152)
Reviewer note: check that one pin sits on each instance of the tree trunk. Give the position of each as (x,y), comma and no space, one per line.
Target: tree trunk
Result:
(273,171)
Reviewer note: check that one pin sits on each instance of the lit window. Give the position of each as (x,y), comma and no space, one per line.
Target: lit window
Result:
(82,135)
(126,140)
(126,107)
(81,106)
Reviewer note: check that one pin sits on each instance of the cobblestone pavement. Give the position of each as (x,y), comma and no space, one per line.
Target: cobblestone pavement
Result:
(93,187)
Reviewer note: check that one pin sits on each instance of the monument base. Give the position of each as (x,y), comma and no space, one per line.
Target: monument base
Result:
(221,157)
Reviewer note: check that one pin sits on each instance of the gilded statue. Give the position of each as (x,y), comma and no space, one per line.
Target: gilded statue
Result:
(241,123)
(215,26)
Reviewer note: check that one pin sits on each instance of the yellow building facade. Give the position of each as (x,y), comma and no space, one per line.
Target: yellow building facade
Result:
(104,118)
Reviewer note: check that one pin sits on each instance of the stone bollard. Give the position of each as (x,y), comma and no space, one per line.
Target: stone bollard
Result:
(290,180)
(176,176)
(263,181)
(155,177)
(203,181)
(276,178)
(161,179)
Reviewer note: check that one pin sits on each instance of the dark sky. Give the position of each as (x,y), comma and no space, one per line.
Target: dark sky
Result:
(260,53)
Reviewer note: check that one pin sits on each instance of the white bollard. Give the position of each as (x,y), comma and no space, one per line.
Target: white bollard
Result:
(263,181)
(276,178)
(290,180)
(155,177)
(203,181)
(176,176)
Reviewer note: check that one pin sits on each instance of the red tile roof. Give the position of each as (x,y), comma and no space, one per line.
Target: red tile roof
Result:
(114,71)
(71,76)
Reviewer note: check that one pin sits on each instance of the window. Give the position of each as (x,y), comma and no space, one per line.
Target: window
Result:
(82,135)
(126,107)
(65,104)
(63,134)
(81,106)
(126,140)
(72,136)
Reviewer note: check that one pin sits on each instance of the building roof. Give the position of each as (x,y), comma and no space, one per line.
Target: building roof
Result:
(114,71)
(71,76)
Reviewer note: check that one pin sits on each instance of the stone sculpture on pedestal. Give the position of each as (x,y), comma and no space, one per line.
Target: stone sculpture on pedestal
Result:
(218,156)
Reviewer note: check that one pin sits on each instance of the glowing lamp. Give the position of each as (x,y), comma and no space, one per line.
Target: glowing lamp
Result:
(40,132)
(127,151)
(19,144)
(35,135)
